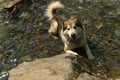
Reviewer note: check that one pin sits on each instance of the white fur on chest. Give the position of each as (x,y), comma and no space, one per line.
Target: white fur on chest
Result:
(72,45)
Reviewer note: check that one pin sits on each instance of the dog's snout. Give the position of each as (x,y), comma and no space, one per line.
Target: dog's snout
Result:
(73,36)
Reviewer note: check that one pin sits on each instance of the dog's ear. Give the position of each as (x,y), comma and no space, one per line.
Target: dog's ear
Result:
(64,26)
(78,23)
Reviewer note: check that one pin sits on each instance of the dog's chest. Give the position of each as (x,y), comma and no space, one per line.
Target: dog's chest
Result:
(72,45)
(76,44)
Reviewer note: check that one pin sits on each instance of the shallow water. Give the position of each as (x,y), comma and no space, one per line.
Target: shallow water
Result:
(25,37)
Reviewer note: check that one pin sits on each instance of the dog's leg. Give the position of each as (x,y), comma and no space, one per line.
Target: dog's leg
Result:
(71,52)
(53,30)
(67,50)
(53,36)
(89,54)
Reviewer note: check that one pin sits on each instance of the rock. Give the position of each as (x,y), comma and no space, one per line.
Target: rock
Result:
(53,68)
(60,67)
(86,76)
(2,57)
(16,6)
(4,75)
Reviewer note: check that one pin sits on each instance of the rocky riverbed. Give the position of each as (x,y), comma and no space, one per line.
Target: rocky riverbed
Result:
(24,37)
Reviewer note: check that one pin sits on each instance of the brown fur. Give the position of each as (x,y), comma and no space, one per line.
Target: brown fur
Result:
(70,31)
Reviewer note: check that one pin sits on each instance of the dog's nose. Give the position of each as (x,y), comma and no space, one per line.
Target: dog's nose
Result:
(73,36)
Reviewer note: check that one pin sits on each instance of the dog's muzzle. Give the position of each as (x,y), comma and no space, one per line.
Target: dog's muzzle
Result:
(73,36)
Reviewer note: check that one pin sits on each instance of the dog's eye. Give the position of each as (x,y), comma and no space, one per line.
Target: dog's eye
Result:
(68,28)
(74,27)
(64,28)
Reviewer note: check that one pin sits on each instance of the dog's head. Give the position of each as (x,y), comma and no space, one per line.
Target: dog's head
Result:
(73,29)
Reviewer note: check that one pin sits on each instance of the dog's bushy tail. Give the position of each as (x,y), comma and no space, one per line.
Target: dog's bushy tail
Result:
(51,9)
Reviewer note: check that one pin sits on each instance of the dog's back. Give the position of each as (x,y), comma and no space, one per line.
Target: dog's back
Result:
(53,12)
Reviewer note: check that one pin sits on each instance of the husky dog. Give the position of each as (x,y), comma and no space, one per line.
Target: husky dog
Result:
(70,31)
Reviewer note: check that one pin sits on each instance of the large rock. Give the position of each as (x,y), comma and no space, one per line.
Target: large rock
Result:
(53,68)
(60,67)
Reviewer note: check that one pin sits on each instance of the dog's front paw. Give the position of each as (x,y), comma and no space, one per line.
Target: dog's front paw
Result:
(91,57)
(71,52)
(73,55)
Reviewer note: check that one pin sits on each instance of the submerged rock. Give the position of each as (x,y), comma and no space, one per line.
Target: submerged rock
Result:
(4,76)
(86,76)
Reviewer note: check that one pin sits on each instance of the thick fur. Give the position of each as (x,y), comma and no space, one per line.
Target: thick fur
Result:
(51,10)
(70,31)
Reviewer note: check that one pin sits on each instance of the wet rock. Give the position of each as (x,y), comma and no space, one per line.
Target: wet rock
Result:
(16,6)
(60,67)
(2,57)
(86,76)
(4,75)
(26,58)
(111,59)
